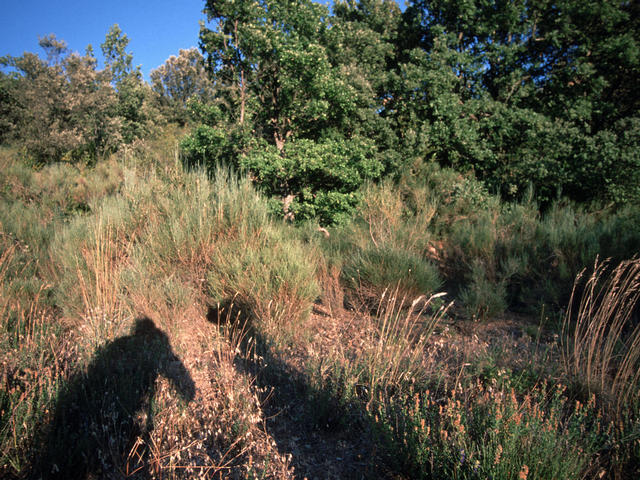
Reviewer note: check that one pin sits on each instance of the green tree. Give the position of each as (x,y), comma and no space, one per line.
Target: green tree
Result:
(278,90)
(270,65)
(131,90)
(10,108)
(362,45)
(530,92)
(61,108)
(181,79)
(116,57)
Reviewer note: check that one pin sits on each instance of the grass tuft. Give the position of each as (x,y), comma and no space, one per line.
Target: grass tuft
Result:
(602,338)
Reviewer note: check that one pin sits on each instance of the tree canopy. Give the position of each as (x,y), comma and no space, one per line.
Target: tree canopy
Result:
(524,94)
(59,108)
(527,96)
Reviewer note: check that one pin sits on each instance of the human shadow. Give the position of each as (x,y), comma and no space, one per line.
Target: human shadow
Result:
(105,408)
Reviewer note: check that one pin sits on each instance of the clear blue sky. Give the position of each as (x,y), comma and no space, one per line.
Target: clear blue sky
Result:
(156,29)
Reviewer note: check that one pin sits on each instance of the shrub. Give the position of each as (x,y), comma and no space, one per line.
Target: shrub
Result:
(620,233)
(323,177)
(266,273)
(373,270)
(488,432)
(205,145)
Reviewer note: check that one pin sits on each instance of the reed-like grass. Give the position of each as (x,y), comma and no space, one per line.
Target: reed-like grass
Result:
(104,315)
(372,270)
(396,358)
(601,334)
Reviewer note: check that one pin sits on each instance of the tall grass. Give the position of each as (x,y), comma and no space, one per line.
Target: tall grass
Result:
(397,356)
(384,353)
(602,338)
(98,275)
(32,356)
(271,276)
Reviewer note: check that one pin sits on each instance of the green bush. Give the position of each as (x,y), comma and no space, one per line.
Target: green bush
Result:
(373,270)
(322,177)
(205,145)
(269,274)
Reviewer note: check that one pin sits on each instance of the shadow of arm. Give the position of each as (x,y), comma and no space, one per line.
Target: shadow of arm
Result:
(180,378)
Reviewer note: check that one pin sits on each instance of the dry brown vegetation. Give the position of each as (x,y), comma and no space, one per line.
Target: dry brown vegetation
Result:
(159,323)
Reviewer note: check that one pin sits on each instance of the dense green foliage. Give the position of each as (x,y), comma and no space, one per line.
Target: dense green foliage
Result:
(530,97)
(277,85)
(530,103)
(533,92)
(323,176)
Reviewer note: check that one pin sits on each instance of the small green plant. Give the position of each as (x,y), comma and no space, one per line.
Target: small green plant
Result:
(482,298)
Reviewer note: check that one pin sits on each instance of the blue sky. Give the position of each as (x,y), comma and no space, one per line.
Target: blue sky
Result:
(156,29)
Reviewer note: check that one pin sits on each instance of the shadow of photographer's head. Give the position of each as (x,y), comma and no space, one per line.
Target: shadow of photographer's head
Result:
(145,326)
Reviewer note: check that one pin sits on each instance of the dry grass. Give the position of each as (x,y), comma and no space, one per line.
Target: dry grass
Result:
(397,357)
(602,338)
(220,434)
(105,314)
